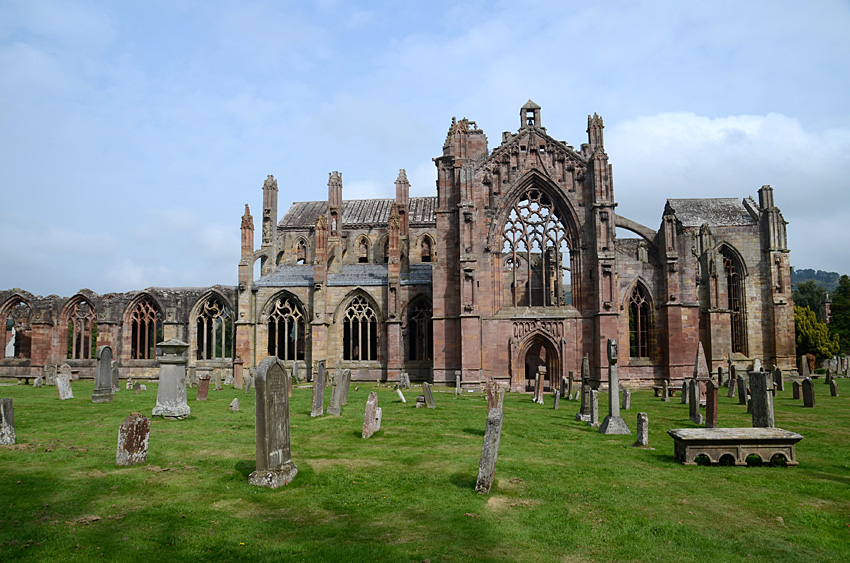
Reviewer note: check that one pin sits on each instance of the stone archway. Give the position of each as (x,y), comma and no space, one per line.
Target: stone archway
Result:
(536,350)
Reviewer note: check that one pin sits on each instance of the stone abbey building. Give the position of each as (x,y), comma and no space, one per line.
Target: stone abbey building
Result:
(515,263)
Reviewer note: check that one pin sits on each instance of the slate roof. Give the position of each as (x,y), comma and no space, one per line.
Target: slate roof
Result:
(301,275)
(726,211)
(360,213)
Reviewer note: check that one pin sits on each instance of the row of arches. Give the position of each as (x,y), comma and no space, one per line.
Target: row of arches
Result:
(366,250)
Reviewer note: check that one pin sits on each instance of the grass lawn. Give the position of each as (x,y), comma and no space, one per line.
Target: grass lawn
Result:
(563,492)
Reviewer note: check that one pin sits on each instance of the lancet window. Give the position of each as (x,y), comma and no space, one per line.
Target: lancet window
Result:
(82,331)
(734,294)
(536,251)
(146,329)
(426,249)
(214,330)
(286,329)
(301,252)
(19,325)
(639,316)
(420,330)
(360,331)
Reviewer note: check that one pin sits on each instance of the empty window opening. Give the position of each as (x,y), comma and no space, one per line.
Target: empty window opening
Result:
(639,323)
(420,331)
(360,331)
(146,329)
(286,330)
(82,331)
(215,330)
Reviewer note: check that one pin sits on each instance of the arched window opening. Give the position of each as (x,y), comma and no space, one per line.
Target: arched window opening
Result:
(19,331)
(363,250)
(82,331)
(146,329)
(387,251)
(734,294)
(286,329)
(215,330)
(536,249)
(420,331)
(639,316)
(425,249)
(301,252)
(360,331)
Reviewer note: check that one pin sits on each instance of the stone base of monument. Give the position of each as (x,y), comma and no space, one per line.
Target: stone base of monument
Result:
(614,425)
(102,396)
(175,413)
(583,417)
(274,479)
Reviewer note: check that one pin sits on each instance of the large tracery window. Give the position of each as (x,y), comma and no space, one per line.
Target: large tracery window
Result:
(536,250)
(360,331)
(734,293)
(420,331)
(82,331)
(639,323)
(146,326)
(215,330)
(19,331)
(286,329)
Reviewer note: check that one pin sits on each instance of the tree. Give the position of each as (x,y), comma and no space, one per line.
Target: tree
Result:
(810,294)
(812,336)
(839,323)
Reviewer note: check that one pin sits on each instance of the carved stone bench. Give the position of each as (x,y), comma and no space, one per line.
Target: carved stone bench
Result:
(734,444)
(658,389)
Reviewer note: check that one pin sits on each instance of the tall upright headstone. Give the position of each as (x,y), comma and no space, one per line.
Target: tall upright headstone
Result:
(762,399)
(642,432)
(584,410)
(335,406)
(833,388)
(613,423)
(808,392)
(345,386)
(665,391)
(372,416)
(712,393)
(733,384)
(701,372)
(429,396)
(593,421)
(63,382)
(722,380)
(804,366)
(7,422)
(103,376)
(742,390)
(237,372)
(489,451)
(319,391)
(116,377)
(569,384)
(539,384)
(556,399)
(203,388)
(171,395)
(50,374)
(133,436)
(693,402)
(458,375)
(796,390)
(271,411)
(627,399)
(778,381)
(686,386)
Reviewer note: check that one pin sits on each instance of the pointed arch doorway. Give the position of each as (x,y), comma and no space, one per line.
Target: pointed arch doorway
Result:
(537,350)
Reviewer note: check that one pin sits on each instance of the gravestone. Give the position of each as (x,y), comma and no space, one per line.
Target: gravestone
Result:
(501,398)
(712,393)
(228,380)
(722,381)
(804,367)
(742,390)
(613,423)
(457,382)
(129,384)
(563,389)
(397,390)
(133,436)
(319,391)
(103,376)
(38,382)
(191,376)
(116,376)
(7,423)
(569,383)
(234,405)
(237,372)
(420,402)
(405,380)
(217,380)
(584,410)
(762,399)
(271,413)
(50,374)
(642,432)
(490,392)
(63,383)
(701,373)
(248,383)
(556,399)
(627,399)
(685,391)
(808,393)
(345,386)
(429,397)
(137,387)
(335,406)
(593,422)
(489,451)
(372,417)
(539,383)
(796,390)
(757,365)
(295,377)
(778,381)
(665,391)
(833,388)
(693,402)
(733,384)
(203,388)
(171,394)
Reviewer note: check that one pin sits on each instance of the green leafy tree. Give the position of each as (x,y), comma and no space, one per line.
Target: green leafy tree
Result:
(839,323)
(810,294)
(813,336)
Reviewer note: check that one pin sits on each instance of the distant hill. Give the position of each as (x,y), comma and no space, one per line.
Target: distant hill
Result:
(829,280)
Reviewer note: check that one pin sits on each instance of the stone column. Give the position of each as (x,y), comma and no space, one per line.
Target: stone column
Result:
(103,376)
(613,423)
(274,455)
(489,451)
(171,395)
(762,399)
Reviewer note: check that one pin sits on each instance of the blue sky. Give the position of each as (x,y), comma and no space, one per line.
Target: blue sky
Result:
(133,133)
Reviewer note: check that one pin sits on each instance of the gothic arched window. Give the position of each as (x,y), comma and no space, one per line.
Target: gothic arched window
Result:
(146,329)
(82,331)
(360,331)
(215,330)
(420,331)
(301,252)
(735,295)
(535,232)
(363,250)
(426,249)
(19,325)
(286,329)
(639,316)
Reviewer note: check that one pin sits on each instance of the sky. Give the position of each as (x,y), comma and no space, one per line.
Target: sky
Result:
(132,134)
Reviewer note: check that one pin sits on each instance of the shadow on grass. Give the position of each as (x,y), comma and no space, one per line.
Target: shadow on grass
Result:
(474,431)
(463,480)
(245,467)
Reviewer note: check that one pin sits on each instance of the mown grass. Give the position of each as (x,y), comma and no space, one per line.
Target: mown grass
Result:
(563,491)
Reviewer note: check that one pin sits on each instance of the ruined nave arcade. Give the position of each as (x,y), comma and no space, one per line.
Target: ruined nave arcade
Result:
(515,263)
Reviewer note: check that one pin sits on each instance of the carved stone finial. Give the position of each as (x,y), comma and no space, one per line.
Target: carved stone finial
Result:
(612,351)
(247,219)
(270,183)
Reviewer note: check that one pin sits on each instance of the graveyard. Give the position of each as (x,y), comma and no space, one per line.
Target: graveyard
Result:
(562,490)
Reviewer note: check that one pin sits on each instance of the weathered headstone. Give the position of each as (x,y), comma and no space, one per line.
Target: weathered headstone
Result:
(539,383)
(103,376)
(335,405)
(501,397)
(808,393)
(372,417)
(593,422)
(228,380)
(295,376)
(584,410)
(238,380)
(404,380)
(627,399)
(133,436)
(693,402)
(248,382)
(397,390)
(137,387)
(712,393)
(778,380)
(757,365)
(665,391)
(271,411)
(234,405)
(38,382)
(116,377)
(733,384)
(701,372)
(217,380)
(420,402)
(457,382)
(50,374)
(63,383)
(833,388)
(722,381)
(345,386)
(804,366)
(429,397)
(489,451)
(7,422)
(762,399)
(556,399)
(490,392)
(203,388)
(742,390)
(171,394)
(796,390)
(686,385)
(319,391)
(563,389)
(642,432)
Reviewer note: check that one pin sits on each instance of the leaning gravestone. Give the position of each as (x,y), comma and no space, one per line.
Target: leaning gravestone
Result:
(38,382)
(778,381)
(171,393)
(372,417)
(642,432)
(693,402)
(63,383)
(712,393)
(319,391)
(833,388)
(103,376)
(397,390)
(429,397)
(234,405)
(584,411)
(733,384)
(808,393)
(271,410)
(7,423)
(613,423)
(796,390)
(335,406)
(50,374)
(133,436)
(489,451)
(742,390)
(685,391)
(556,399)
(762,399)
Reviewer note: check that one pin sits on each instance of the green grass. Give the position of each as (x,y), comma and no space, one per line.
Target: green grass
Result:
(563,492)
